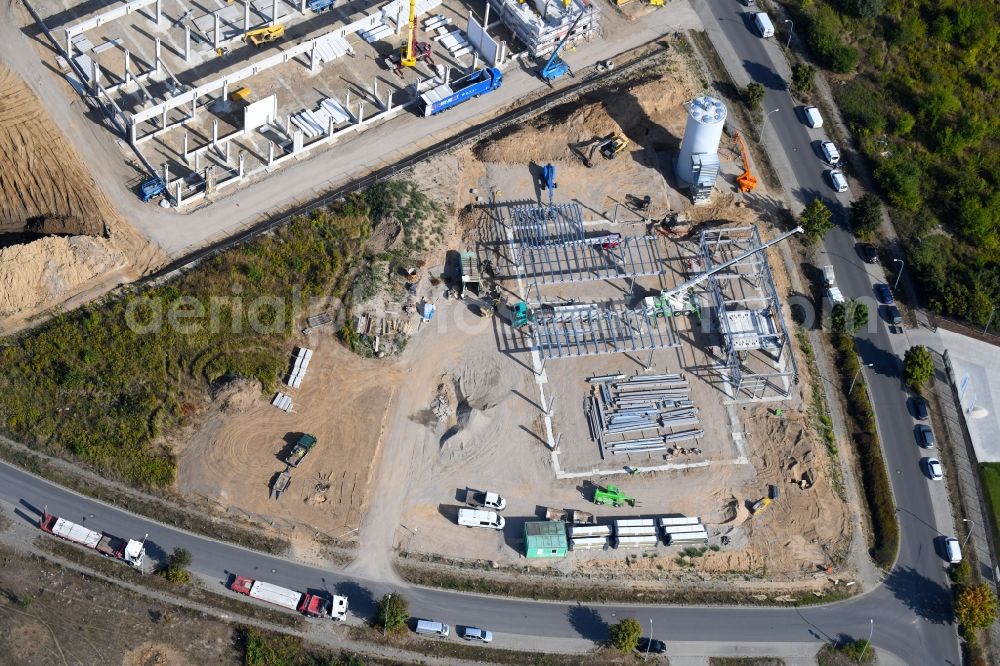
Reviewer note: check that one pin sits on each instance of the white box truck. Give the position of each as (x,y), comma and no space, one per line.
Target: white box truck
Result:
(764,25)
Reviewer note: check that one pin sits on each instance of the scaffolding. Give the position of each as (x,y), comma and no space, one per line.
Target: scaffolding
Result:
(759,364)
(604,257)
(591,329)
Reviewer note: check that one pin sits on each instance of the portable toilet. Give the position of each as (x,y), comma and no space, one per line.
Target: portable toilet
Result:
(545,538)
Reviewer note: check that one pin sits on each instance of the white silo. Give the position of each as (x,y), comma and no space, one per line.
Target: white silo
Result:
(706,118)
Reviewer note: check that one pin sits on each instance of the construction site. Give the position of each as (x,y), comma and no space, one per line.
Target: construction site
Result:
(598,335)
(592,337)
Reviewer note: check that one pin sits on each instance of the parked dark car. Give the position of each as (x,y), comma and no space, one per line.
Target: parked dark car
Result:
(655,646)
(920,408)
(925,436)
(893,316)
(884,294)
(868,253)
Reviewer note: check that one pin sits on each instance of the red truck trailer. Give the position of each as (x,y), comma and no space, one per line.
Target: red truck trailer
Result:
(312,605)
(129,551)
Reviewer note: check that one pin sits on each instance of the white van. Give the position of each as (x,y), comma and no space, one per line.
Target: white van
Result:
(830,153)
(952,551)
(812,116)
(431,628)
(480,518)
(764,25)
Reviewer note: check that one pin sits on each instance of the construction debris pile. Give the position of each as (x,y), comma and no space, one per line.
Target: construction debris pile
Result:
(540,25)
(629,415)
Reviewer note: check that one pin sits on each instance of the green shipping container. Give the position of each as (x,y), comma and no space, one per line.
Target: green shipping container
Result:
(545,539)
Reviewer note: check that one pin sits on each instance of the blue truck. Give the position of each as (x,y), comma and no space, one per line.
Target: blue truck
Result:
(447,95)
(320,5)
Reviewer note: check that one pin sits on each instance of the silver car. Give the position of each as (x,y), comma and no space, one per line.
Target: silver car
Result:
(477,634)
(837,180)
(934,469)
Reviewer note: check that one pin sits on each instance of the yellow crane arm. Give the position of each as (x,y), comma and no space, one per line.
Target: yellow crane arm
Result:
(409,58)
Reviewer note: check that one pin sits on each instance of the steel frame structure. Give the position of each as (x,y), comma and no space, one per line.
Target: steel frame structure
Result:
(537,225)
(592,329)
(598,258)
(748,292)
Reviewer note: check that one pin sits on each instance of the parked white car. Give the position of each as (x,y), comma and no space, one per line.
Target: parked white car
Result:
(830,153)
(837,180)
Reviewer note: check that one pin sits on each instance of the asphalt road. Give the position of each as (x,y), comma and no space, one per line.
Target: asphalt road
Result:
(910,613)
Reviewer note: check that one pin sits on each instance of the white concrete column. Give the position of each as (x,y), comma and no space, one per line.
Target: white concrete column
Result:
(347,104)
(288,125)
(475,60)
(186,156)
(274,11)
(215,132)
(69,44)
(177,193)
(388,100)
(241,165)
(313,59)
(194,107)
(361,112)
(270,154)
(302,7)
(297,142)
(159,15)
(95,76)
(246,15)
(166,174)
(329,126)
(157,51)
(215,34)
(375,90)
(486,18)
(197,161)
(164,122)
(131,132)
(228,144)
(128,66)
(187,43)
(225,92)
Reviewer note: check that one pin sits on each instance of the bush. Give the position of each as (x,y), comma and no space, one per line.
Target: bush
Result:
(625,635)
(803,76)
(753,96)
(975,606)
(918,367)
(959,573)
(823,31)
(866,215)
(177,564)
(392,612)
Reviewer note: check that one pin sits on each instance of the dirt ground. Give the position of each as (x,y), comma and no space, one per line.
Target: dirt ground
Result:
(43,182)
(502,445)
(51,615)
(233,458)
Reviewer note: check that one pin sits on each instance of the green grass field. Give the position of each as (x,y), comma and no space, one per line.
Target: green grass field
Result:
(990,475)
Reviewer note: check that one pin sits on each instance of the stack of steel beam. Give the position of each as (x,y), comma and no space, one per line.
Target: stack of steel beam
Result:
(640,414)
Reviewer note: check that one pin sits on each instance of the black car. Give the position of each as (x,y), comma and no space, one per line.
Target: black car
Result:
(869,253)
(651,645)
(920,408)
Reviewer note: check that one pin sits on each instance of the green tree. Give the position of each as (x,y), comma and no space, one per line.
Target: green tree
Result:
(816,220)
(625,635)
(803,76)
(976,606)
(392,612)
(177,564)
(918,367)
(866,215)
(867,8)
(753,95)
(859,315)
(838,318)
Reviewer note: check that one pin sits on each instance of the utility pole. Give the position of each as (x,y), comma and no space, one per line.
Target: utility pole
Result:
(791,29)
(902,265)
(851,390)
(869,641)
(764,124)
(650,641)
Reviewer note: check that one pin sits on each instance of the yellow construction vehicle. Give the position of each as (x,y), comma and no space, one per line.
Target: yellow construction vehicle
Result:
(746,180)
(612,145)
(241,94)
(261,36)
(408,53)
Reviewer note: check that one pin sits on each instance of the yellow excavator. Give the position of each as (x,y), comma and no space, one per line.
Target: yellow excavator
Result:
(262,36)
(746,180)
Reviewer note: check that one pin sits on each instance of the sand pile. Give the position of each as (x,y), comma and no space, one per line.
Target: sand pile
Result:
(46,188)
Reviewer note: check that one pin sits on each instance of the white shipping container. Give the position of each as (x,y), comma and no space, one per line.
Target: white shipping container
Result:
(588,543)
(692,537)
(576,531)
(681,529)
(636,541)
(76,533)
(279,596)
(681,520)
(635,522)
(645,530)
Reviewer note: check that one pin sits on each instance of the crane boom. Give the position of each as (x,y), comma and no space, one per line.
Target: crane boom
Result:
(698,279)
(746,180)
(556,66)
(409,58)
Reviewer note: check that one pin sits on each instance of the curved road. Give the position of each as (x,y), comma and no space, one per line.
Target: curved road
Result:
(911,611)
